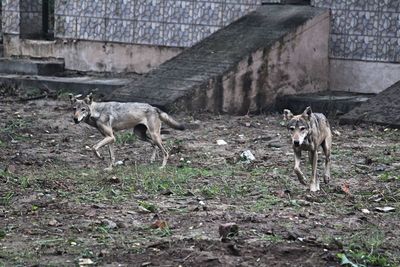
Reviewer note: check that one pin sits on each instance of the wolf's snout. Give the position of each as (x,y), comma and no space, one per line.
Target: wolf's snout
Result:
(296,143)
(76,120)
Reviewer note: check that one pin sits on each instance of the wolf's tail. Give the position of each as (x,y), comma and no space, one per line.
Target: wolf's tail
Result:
(164,117)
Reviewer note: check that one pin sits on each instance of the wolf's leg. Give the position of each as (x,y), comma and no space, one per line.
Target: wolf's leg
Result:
(326,146)
(314,185)
(109,139)
(300,175)
(112,156)
(140,132)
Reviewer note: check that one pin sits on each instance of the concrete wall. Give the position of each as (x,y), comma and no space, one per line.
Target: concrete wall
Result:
(92,56)
(364,44)
(298,63)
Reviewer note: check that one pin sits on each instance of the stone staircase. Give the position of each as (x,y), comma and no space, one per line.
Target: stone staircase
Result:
(243,67)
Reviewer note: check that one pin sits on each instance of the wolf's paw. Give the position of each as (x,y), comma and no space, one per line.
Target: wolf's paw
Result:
(98,154)
(314,187)
(108,169)
(302,180)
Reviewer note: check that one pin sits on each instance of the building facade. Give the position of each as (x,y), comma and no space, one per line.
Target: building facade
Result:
(138,35)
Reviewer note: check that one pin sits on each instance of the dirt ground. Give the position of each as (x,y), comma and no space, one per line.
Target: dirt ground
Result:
(59,208)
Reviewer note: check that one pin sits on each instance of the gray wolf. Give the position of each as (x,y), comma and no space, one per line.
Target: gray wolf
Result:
(309,131)
(108,117)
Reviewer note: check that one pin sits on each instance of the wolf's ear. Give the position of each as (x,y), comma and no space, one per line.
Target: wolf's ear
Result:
(72,98)
(307,112)
(287,115)
(89,99)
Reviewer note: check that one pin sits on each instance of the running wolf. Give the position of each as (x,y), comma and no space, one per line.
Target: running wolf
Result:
(108,117)
(309,131)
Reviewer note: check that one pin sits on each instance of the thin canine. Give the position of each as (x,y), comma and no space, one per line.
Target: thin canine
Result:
(309,131)
(107,117)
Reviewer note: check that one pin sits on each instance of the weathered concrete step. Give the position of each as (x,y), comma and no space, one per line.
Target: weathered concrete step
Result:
(331,103)
(240,68)
(78,85)
(31,66)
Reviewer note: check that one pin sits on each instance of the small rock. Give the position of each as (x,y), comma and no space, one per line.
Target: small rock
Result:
(109,224)
(221,142)
(227,230)
(11,168)
(84,261)
(53,222)
(247,156)
(366,211)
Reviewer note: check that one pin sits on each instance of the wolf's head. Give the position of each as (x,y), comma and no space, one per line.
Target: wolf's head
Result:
(81,108)
(298,125)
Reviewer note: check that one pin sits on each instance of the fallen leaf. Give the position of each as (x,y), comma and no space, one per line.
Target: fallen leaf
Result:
(159,224)
(346,188)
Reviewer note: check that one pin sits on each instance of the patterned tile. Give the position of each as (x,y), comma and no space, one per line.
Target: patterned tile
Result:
(177,35)
(122,9)
(66,7)
(90,8)
(178,11)
(149,33)
(362,23)
(10,22)
(91,28)
(390,5)
(338,21)
(120,30)
(10,5)
(389,49)
(65,27)
(361,47)
(150,10)
(389,24)
(207,13)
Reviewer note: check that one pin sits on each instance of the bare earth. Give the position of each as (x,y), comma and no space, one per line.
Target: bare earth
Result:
(58,208)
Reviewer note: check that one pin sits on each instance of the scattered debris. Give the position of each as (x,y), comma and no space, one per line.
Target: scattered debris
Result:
(366,211)
(385,209)
(247,156)
(221,142)
(228,230)
(85,261)
(109,224)
(159,224)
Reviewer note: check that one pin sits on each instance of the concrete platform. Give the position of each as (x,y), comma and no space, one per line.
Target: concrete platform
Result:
(383,109)
(78,85)
(331,103)
(241,68)
(31,66)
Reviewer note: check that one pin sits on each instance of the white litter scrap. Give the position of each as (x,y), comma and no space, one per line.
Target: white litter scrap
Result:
(247,156)
(221,142)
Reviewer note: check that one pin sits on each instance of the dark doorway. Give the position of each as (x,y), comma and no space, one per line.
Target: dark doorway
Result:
(37,19)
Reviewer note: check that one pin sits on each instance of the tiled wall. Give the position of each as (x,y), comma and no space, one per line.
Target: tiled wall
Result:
(30,18)
(10,16)
(364,29)
(157,22)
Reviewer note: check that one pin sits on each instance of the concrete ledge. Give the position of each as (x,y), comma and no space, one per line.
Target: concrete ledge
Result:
(330,103)
(78,85)
(362,76)
(31,66)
